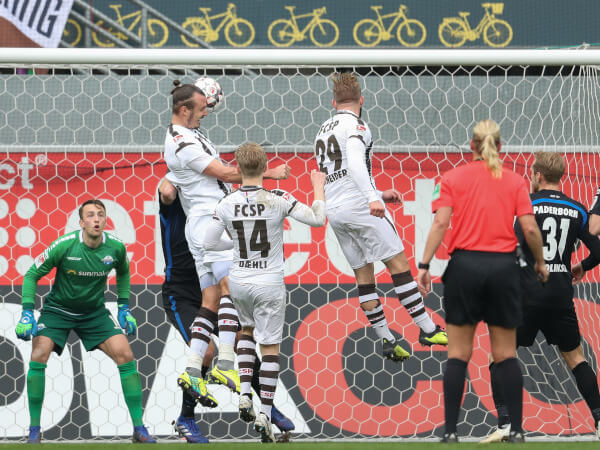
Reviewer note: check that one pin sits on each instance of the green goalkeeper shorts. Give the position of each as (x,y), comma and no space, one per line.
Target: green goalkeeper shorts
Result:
(92,328)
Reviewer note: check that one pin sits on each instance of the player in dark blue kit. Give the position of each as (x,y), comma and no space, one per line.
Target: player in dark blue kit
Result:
(182,298)
(549,307)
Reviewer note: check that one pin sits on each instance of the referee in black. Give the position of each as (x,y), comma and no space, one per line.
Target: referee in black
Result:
(549,307)
(481,282)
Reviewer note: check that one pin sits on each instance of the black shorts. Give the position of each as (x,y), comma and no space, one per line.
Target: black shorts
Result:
(181,302)
(559,325)
(482,286)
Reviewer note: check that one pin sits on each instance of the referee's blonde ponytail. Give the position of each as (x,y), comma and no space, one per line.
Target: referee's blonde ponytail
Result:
(486,139)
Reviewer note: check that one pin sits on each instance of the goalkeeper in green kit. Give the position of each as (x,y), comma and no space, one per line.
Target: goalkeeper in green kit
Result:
(83,260)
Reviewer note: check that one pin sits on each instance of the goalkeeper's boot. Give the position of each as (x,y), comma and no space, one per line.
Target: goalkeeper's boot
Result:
(187,428)
(262,424)
(284,424)
(247,413)
(436,337)
(196,387)
(141,436)
(499,435)
(449,438)
(229,378)
(516,437)
(35,435)
(393,351)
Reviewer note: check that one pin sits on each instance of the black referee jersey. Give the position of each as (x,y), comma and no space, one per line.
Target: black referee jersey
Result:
(562,221)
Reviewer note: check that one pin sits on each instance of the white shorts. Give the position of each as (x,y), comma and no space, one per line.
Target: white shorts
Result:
(261,306)
(364,238)
(195,230)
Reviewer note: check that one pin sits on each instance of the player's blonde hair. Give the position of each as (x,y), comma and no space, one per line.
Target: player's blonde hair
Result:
(486,137)
(345,88)
(550,164)
(251,159)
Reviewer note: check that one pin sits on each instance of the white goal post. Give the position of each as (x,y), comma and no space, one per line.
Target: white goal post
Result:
(80,123)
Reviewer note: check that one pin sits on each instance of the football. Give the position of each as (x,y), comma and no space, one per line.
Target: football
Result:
(212,90)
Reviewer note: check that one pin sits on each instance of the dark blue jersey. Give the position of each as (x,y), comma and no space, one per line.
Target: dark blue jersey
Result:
(179,262)
(562,221)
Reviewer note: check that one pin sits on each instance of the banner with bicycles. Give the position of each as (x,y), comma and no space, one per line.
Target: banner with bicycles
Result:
(339,23)
(42,21)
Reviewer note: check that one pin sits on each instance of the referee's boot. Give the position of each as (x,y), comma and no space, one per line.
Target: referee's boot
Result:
(35,435)
(500,434)
(436,337)
(196,387)
(229,378)
(516,437)
(393,351)
(449,438)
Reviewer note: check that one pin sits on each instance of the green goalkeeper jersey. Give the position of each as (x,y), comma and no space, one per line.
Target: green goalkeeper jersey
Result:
(81,273)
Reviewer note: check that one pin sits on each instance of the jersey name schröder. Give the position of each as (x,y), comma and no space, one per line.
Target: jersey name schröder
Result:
(199,193)
(332,157)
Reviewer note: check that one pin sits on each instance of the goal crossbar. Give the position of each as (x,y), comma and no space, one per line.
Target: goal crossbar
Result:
(282,57)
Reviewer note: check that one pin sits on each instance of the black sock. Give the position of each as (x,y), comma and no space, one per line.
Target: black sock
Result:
(187,405)
(454,386)
(509,372)
(204,371)
(256,376)
(498,394)
(588,387)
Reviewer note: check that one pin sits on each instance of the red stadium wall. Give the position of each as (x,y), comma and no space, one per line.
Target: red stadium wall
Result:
(42,193)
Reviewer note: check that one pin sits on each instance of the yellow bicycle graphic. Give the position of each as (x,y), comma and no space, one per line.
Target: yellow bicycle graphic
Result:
(369,32)
(72,33)
(238,32)
(158,33)
(454,31)
(322,32)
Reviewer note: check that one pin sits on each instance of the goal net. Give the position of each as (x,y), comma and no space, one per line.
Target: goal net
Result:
(71,131)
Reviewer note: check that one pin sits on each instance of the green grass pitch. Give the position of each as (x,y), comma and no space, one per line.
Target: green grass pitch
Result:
(346,445)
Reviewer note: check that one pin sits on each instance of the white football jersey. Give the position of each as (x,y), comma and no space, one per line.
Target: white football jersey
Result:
(332,158)
(199,193)
(253,216)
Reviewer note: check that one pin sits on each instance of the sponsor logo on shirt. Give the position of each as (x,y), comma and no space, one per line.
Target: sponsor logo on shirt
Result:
(71,272)
(178,138)
(360,127)
(108,260)
(40,327)
(73,258)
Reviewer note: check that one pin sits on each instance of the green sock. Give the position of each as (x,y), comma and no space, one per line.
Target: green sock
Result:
(132,389)
(36,383)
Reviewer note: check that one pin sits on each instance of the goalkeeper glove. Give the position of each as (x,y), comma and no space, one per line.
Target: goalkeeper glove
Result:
(27,326)
(126,320)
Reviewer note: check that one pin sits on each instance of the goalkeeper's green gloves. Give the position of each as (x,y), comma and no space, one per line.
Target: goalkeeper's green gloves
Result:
(126,320)
(27,326)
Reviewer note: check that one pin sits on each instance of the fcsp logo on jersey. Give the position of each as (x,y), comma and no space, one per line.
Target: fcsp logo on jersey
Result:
(108,260)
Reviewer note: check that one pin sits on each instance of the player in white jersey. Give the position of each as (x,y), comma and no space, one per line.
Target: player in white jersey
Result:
(254,217)
(359,219)
(202,179)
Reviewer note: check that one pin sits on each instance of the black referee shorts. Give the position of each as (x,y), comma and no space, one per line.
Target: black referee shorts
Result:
(482,286)
(559,326)
(181,302)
